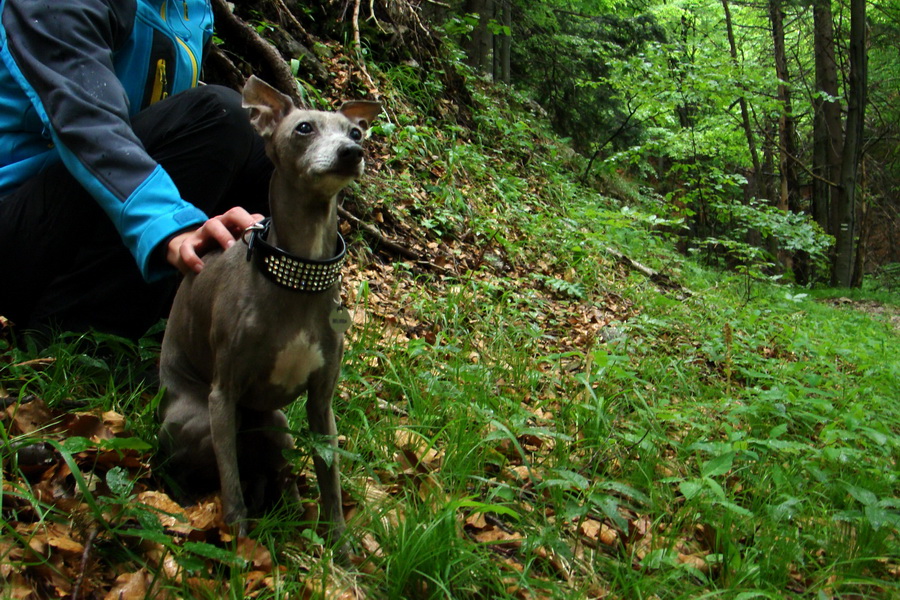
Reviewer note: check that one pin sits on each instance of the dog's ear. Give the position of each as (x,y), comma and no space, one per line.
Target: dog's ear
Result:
(361,112)
(267,105)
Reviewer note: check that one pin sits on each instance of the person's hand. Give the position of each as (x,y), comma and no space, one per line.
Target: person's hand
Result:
(185,249)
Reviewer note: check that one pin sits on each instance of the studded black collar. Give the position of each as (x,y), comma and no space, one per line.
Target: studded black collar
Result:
(289,271)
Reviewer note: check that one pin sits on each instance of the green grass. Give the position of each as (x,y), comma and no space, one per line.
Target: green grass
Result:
(542,423)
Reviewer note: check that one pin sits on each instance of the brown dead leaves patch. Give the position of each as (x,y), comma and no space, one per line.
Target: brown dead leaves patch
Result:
(60,519)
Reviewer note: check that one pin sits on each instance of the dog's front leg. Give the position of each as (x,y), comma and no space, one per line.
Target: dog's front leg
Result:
(223,425)
(321,421)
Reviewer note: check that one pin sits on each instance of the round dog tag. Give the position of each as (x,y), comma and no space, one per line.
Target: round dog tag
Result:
(340,319)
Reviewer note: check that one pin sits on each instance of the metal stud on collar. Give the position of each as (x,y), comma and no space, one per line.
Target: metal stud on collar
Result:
(290,271)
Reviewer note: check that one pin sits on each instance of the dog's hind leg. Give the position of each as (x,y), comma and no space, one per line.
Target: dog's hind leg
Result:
(185,442)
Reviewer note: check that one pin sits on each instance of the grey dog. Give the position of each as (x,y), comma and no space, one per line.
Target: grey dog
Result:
(262,323)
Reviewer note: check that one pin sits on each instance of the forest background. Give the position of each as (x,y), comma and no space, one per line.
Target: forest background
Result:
(729,109)
(624,280)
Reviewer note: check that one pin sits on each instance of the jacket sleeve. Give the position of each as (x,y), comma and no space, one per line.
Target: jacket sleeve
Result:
(61,54)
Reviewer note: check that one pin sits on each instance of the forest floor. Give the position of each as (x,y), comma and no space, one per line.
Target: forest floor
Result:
(540,399)
(871,307)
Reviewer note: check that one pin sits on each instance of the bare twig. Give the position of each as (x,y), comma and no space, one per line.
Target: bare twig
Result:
(232,25)
(284,11)
(378,236)
(357,43)
(85,558)
(656,276)
(793,158)
(479,260)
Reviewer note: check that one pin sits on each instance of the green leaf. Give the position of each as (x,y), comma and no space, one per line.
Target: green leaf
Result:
(214,552)
(311,535)
(718,465)
(482,507)
(129,443)
(625,490)
(878,517)
(77,444)
(191,564)
(609,506)
(735,508)
(157,537)
(784,510)
(866,497)
(778,431)
(119,482)
(659,558)
(691,489)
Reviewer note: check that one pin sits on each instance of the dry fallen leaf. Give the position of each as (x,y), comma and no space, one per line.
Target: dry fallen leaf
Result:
(129,586)
(114,422)
(170,514)
(254,553)
(29,417)
(16,587)
(418,452)
(598,531)
(495,535)
(254,583)
(694,560)
(59,537)
(206,514)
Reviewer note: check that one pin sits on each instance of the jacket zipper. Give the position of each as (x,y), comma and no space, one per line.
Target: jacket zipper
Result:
(182,43)
(159,82)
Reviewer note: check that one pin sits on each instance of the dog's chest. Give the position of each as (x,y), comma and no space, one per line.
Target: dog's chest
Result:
(301,356)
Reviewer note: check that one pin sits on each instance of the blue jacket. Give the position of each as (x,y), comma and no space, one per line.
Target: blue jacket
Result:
(72,73)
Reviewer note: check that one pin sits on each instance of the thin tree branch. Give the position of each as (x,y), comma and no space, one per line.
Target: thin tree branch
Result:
(615,134)
(231,24)
(793,158)
(379,237)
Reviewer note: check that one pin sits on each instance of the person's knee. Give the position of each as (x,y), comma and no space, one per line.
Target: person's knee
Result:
(222,103)
(206,112)
(219,108)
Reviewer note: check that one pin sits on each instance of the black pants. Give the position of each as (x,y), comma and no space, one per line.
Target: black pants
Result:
(63,266)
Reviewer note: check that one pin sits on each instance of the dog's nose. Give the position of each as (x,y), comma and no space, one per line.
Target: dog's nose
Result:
(350,154)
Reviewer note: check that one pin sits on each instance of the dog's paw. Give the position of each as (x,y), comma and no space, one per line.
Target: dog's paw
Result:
(236,518)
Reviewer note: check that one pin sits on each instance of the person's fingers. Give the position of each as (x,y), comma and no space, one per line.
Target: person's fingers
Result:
(186,249)
(215,229)
(174,251)
(238,219)
(188,257)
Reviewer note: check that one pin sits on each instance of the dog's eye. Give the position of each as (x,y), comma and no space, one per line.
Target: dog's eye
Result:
(304,128)
(356,134)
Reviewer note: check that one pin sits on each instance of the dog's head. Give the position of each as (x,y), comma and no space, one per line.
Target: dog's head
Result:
(322,148)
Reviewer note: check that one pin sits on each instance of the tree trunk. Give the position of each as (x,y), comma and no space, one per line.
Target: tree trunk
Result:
(789,192)
(827,136)
(768,185)
(745,113)
(480,45)
(506,42)
(862,247)
(842,273)
(789,196)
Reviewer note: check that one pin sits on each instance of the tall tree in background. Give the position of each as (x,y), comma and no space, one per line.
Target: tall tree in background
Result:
(488,46)
(790,187)
(846,198)
(503,42)
(827,136)
(480,42)
(742,102)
